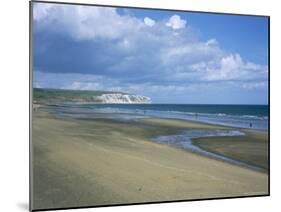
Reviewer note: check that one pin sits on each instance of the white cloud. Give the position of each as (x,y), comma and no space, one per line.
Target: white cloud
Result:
(212,42)
(80,85)
(136,57)
(41,11)
(176,22)
(82,22)
(159,92)
(255,85)
(148,21)
(233,67)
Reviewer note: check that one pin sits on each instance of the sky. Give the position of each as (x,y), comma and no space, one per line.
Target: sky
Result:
(169,56)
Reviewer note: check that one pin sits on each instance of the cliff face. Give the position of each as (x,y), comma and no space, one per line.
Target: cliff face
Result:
(119,98)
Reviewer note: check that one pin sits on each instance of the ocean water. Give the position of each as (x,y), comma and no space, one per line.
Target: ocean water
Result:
(241,116)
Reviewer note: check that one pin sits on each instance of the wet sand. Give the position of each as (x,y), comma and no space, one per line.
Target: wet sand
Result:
(252,148)
(100,162)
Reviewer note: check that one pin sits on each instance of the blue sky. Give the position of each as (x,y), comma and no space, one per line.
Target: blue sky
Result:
(172,57)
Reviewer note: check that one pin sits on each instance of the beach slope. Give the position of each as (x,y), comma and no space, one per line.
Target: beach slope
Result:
(102,162)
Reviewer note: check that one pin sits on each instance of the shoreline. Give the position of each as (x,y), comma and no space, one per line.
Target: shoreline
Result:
(221,126)
(220,119)
(97,162)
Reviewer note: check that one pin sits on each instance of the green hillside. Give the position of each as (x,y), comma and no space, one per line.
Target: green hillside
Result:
(43,95)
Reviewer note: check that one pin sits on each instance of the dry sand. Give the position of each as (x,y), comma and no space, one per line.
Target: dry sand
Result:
(90,163)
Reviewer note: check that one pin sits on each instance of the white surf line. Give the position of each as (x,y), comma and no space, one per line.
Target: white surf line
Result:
(165,166)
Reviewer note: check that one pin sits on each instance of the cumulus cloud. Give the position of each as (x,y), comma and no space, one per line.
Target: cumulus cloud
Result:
(232,67)
(82,22)
(41,11)
(99,48)
(212,42)
(255,85)
(176,22)
(148,21)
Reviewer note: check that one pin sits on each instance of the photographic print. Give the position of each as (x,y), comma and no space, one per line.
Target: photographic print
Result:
(139,105)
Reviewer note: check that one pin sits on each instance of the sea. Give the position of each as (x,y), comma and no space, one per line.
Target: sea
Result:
(240,116)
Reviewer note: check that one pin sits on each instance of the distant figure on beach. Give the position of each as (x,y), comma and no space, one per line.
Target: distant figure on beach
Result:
(251,125)
(35,107)
(196,115)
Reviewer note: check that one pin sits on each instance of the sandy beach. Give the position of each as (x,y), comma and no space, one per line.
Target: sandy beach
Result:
(102,162)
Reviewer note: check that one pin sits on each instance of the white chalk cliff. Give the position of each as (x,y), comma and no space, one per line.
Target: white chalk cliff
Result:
(119,98)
